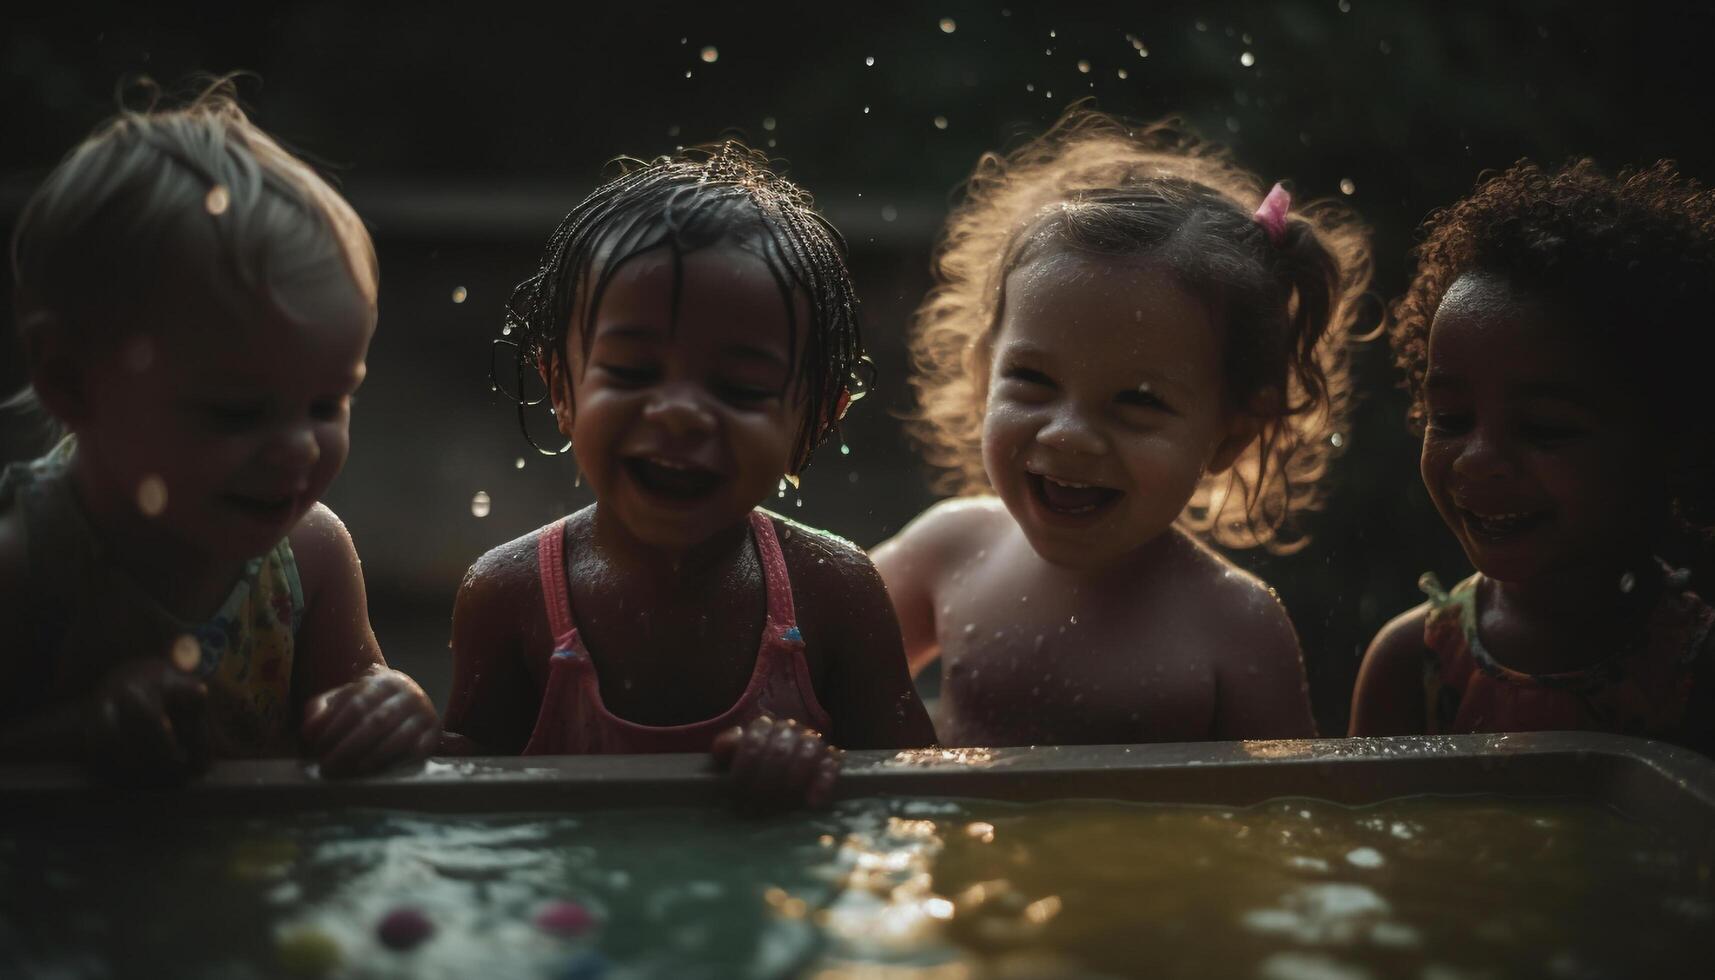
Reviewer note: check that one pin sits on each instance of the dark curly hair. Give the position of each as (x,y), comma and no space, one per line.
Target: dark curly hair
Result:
(725,193)
(1101,184)
(1628,260)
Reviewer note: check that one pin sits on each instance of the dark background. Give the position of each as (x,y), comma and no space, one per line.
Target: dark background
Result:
(463,132)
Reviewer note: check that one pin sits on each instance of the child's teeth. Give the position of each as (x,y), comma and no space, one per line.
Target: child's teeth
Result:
(1063,483)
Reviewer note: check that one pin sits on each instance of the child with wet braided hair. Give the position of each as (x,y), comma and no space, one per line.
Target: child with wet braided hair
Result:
(695,325)
(1556,341)
(1131,353)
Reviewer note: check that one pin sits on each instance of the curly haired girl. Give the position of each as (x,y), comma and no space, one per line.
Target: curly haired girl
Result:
(1554,343)
(1130,352)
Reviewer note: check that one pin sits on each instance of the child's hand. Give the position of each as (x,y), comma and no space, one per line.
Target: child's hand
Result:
(369,724)
(778,765)
(145,723)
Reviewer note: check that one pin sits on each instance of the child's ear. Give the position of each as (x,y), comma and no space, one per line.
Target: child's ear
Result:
(57,374)
(558,380)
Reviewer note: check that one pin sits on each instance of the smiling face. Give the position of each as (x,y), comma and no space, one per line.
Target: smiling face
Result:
(1105,405)
(1537,455)
(683,416)
(222,424)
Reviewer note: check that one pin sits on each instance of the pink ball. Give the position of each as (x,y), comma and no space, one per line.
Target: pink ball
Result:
(564,919)
(404,927)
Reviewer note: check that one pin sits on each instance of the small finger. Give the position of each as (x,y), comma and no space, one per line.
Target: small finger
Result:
(393,745)
(369,730)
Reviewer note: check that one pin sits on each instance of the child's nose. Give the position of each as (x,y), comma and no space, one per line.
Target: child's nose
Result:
(1482,457)
(294,448)
(678,409)
(1068,430)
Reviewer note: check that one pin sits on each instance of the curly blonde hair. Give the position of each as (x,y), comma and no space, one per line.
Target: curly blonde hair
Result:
(1102,184)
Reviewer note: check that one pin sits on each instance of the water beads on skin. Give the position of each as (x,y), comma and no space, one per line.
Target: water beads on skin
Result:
(404,928)
(565,919)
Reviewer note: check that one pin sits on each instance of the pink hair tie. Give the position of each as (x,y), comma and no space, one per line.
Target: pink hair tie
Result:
(1271,214)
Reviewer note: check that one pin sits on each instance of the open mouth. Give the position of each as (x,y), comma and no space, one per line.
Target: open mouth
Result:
(266,509)
(672,479)
(1498,528)
(1070,499)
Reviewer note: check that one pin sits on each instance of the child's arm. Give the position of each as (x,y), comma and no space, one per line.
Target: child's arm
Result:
(913,562)
(868,691)
(359,716)
(494,704)
(1388,697)
(1263,690)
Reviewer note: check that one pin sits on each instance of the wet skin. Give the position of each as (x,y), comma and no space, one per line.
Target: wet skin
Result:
(1544,463)
(1070,610)
(682,427)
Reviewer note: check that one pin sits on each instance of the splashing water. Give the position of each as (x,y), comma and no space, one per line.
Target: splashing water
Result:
(481,504)
(459,294)
(152,495)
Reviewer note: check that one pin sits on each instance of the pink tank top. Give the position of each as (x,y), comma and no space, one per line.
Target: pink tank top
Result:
(574,721)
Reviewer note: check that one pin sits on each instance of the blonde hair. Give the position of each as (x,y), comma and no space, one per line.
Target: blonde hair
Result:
(1101,184)
(161,190)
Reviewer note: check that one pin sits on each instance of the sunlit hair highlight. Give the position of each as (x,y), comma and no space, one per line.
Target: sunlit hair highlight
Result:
(1102,185)
(168,195)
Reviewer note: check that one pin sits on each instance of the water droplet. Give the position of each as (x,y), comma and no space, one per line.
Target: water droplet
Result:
(947,25)
(1628,582)
(1073,620)
(1121,73)
(218,199)
(1345,6)
(889,213)
(852,477)
(187,652)
(1201,27)
(1347,186)
(1247,59)
(1048,95)
(1142,52)
(687,73)
(866,110)
(578,479)
(711,54)
(459,294)
(152,495)
(480,504)
(845,450)
(1336,440)
(869,62)
(1083,66)
(518,463)
(1030,86)
(940,122)
(768,123)
(970,628)
(799,502)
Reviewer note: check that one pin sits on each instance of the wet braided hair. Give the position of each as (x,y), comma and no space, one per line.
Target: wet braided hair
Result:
(723,194)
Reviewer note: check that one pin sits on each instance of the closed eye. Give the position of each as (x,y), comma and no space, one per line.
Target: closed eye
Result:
(1143,398)
(1029,376)
(233,416)
(746,394)
(1449,423)
(627,375)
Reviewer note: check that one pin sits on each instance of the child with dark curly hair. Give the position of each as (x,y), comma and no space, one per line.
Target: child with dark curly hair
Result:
(1555,343)
(696,327)
(1131,352)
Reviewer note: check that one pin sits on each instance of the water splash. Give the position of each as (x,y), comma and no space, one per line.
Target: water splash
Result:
(459,294)
(481,504)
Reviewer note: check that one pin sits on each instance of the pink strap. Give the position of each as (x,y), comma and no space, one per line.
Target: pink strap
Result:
(1271,214)
(550,557)
(781,613)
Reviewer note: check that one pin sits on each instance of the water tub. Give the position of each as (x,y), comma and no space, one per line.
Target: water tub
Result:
(901,810)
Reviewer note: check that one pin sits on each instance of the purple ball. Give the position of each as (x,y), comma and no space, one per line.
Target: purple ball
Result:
(564,919)
(404,927)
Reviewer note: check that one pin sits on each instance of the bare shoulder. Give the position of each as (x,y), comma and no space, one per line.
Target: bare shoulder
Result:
(1388,696)
(506,580)
(1398,646)
(948,531)
(322,548)
(1243,614)
(820,558)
